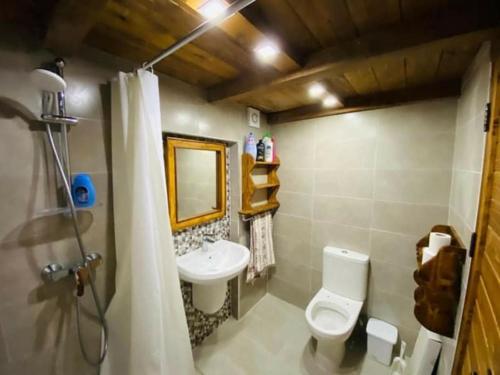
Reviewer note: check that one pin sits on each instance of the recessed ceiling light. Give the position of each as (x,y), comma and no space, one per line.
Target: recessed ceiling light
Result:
(266,51)
(212,8)
(316,90)
(331,101)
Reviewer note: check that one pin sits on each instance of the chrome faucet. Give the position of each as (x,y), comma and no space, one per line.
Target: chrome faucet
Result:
(207,238)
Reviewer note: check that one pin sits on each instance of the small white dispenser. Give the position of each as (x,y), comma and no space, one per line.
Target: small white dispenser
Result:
(381,339)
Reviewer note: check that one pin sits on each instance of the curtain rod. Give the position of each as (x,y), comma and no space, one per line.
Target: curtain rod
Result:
(198,31)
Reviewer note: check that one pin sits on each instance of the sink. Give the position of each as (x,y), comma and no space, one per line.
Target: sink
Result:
(209,268)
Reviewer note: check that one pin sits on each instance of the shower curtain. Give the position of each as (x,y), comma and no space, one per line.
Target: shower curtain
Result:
(148,332)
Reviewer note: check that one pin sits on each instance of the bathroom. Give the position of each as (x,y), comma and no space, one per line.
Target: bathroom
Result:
(380,131)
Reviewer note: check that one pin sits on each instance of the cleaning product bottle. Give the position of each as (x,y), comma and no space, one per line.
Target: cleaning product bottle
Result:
(261,149)
(268,144)
(274,149)
(250,146)
(83,191)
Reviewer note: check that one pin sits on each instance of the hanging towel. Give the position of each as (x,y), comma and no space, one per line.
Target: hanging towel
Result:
(261,246)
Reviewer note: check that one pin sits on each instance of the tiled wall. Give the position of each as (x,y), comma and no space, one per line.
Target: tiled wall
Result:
(37,322)
(373,182)
(200,324)
(185,111)
(467,167)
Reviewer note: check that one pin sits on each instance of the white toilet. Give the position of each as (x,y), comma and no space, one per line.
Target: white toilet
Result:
(334,310)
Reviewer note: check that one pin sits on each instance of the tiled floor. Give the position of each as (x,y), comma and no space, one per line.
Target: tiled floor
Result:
(273,338)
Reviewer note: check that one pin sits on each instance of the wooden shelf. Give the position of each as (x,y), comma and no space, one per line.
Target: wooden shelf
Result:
(266,163)
(259,209)
(249,187)
(266,186)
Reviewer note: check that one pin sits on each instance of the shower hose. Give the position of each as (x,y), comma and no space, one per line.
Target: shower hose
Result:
(78,235)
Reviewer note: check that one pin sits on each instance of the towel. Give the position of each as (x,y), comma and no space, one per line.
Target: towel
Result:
(261,246)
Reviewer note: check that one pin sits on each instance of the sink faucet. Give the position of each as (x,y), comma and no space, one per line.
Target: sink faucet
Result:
(207,238)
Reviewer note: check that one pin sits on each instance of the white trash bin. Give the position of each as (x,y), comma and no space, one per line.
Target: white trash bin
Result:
(381,339)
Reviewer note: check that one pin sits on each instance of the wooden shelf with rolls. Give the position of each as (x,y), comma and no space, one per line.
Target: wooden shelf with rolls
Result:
(439,282)
(249,187)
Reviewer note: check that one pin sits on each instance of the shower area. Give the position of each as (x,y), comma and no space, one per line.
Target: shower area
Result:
(57,273)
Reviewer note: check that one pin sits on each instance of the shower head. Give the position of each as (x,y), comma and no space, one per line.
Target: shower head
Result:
(47,80)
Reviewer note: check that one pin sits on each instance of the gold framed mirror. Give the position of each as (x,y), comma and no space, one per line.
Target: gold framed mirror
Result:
(196,181)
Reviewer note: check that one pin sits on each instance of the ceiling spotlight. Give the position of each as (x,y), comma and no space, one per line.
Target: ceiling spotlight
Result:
(212,8)
(316,90)
(331,101)
(266,51)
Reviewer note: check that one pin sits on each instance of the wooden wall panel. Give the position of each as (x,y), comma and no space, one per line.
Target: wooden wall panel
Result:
(478,349)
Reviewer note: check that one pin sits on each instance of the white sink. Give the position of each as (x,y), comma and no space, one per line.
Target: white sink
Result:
(209,268)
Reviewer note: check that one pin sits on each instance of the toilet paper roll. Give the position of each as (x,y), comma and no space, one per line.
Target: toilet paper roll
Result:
(427,255)
(438,240)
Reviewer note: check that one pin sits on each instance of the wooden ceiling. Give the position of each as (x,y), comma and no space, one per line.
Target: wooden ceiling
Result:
(369,53)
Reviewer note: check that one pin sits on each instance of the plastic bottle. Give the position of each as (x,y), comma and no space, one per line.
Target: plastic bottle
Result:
(274,148)
(268,144)
(261,150)
(250,146)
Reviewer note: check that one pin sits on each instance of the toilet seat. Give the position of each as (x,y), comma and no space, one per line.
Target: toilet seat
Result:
(331,316)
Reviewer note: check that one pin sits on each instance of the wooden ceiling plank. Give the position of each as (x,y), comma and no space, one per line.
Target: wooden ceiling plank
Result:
(371,15)
(135,25)
(70,23)
(369,102)
(104,38)
(421,67)
(337,60)
(179,20)
(390,74)
(363,80)
(289,32)
(248,36)
(341,87)
(328,20)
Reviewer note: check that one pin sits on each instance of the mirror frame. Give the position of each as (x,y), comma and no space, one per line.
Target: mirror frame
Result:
(171,144)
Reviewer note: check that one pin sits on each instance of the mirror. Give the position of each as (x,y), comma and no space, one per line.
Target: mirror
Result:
(196,181)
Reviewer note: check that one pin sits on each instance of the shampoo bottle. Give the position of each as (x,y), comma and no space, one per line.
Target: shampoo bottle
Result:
(261,149)
(250,146)
(268,144)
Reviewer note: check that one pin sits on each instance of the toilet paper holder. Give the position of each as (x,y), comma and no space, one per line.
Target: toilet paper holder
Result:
(439,282)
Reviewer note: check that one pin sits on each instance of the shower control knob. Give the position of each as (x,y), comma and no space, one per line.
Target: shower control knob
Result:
(54,272)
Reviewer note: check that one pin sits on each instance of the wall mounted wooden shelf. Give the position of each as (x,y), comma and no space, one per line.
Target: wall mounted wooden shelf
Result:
(439,281)
(249,188)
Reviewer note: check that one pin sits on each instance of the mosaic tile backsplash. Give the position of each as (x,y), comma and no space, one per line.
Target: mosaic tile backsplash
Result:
(200,324)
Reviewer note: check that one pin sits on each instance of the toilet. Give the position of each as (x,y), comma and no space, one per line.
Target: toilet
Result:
(333,312)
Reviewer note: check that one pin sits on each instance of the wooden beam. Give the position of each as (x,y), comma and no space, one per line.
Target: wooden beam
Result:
(369,102)
(70,23)
(248,36)
(352,54)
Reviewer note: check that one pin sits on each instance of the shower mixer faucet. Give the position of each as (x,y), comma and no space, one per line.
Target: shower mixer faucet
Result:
(55,271)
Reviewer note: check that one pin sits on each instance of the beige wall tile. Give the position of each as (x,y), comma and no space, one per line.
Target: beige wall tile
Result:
(296,204)
(416,151)
(296,296)
(393,248)
(347,237)
(356,183)
(296,180)
(413,219)
(359,153)
(346,211)
(413,186)
(392,278)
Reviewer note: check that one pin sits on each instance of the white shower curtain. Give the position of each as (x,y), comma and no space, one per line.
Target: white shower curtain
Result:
(148,332)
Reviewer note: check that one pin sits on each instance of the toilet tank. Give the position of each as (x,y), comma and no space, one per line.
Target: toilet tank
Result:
(345,272)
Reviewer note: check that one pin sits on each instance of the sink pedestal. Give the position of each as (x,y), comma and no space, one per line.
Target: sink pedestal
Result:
(209,298)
